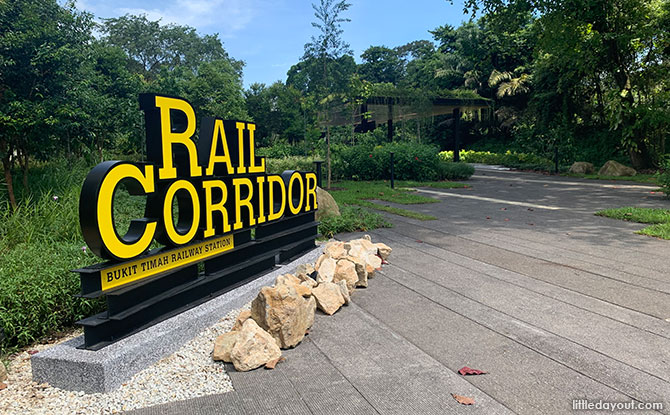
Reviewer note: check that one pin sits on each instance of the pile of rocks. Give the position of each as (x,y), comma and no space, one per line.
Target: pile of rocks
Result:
(281,315)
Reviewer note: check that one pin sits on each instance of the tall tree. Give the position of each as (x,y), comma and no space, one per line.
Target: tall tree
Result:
(41,49)
(327,47)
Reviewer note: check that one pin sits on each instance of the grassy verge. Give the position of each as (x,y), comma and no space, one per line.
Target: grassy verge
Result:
(639,178)
(348,193)
(659,218)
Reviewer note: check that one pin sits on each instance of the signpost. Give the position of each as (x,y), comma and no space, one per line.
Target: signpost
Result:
(221,191)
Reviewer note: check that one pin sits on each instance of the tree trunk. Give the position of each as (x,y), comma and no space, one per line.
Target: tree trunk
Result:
(7,167)
(328,153)
(24,168)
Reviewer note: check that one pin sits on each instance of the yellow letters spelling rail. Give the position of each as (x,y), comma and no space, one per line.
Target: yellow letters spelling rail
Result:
(219,186)
(165,261)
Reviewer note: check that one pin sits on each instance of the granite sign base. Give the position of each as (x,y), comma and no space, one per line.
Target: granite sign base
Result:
(66,366)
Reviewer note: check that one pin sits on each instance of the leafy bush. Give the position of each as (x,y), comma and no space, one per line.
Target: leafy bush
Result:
(37,291)
(508,159)
(412,161)
(455,171)
(278,165)
(663,176)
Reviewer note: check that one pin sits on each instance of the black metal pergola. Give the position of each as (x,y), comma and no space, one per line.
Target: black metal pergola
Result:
(377,110)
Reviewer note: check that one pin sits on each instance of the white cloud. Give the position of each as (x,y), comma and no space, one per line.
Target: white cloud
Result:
(225,16)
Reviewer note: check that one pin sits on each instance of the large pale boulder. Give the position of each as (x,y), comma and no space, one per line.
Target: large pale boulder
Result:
(612,168)
(582,167)
(223,345)
(253,348)
(346,271)
(325,267)
(284,313)
(327,205)
(328,296)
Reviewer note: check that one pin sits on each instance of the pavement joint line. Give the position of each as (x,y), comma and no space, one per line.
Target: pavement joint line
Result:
(490,199)
(576,370)
(365,398)
(568,248)
(568,183)
(496,236)
(537,292)
(539,259)
(385,326)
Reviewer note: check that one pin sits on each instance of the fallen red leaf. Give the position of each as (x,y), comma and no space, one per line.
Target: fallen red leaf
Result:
(463,400)
(503,208)
(419,241)
(32,352)
(272,363)
(506,220)
(3,386)
(488,217)
(468,371)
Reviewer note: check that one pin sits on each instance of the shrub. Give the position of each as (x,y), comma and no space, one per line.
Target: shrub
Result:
(412,161)
(508,159)
(278,165)
(663,176)
(455,171)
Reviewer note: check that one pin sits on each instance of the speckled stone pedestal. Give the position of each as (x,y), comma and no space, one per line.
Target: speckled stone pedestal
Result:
(66,367)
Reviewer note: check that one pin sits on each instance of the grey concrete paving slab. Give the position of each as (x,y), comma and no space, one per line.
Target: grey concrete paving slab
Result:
(523,379)
(557,304)
(575,298)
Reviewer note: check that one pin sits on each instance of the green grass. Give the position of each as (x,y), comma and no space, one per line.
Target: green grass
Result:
(352,219)
(659,218)
(349,193)
(639,178)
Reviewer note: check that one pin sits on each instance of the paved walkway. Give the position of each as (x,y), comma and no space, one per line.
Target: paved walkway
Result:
(518,278)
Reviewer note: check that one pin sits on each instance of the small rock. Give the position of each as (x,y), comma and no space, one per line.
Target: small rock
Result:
(344,291)
(290,279)
(367,237)
(612,168)
(335,249)
(328,296)
(582,167)
(307,280)
(383,250)
(284,313)
(241,318)
(273,363)
(346,270)
(254,347)
(224,344)
(306,269)
(325,267)
(373,263)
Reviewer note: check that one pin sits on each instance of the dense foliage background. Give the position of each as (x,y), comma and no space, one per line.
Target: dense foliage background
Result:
(581,80)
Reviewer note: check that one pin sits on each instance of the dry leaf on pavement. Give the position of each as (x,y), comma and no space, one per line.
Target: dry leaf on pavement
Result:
(468,371)
(463,400)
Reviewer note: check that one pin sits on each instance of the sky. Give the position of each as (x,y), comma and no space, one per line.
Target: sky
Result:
(269,35)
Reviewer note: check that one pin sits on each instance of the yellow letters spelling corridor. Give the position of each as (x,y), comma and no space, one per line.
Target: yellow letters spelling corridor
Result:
(194,192)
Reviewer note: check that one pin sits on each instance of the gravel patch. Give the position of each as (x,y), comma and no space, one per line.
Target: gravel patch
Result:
(188,373)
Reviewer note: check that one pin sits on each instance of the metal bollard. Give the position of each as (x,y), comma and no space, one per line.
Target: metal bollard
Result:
(392,162)
(317,168)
